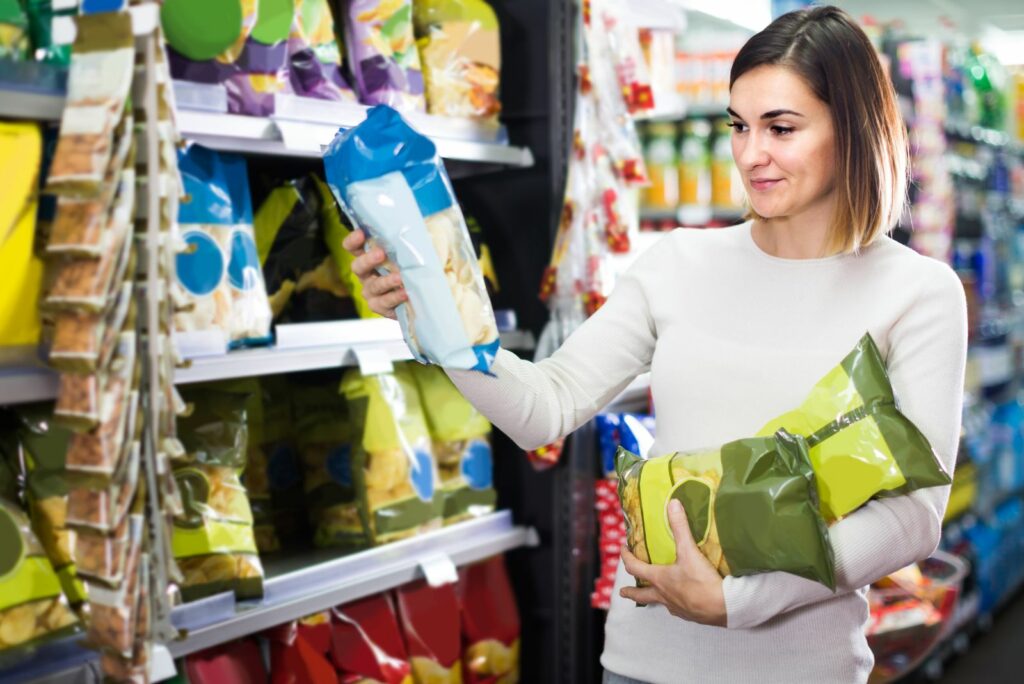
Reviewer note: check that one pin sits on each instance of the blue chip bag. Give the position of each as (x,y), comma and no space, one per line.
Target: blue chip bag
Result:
(633,432)
(219,271)
(390,181)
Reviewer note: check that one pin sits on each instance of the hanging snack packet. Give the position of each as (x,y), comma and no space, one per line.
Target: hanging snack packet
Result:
(460,440)
(112,612)
(88,285)
(102,559)
(429,617)
(391,181)
(101,510)
(213,539)
(102,66)
(95,405)
(393,471)
(31,604)
(302,280)
(366,644)
(219,270)
(382,53)
(85,342)
(861,445)
(461,51)
(751,506)
(490,624)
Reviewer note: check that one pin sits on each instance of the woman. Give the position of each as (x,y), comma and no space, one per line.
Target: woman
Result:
(735,326)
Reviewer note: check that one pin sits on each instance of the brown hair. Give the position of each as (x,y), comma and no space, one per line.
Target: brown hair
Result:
(826,48)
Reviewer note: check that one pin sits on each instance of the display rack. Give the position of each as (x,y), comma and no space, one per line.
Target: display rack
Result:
(302,584)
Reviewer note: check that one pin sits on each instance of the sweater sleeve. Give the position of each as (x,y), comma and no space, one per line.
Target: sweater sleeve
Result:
(536,403)
(928,347)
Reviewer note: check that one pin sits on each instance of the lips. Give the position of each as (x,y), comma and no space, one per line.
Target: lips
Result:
(763,184)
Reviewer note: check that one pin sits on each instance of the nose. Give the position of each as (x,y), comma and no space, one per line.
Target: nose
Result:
(751,152)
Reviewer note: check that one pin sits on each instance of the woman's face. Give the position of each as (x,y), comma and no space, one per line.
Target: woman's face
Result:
(783,144)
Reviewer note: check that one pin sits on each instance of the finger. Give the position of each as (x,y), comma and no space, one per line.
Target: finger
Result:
(376,286)
(643,595)
(636,567)
(685,545)
(366,264)
(393,299)
(354,241)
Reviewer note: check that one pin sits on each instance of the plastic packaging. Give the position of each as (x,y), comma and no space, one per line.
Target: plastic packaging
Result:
(96,405)
(213,540)
(14,43)
(490,623)
(31,604)
(405,203)
(21,147)
(460,439)
(460,47)
(112,612)
(633,432)
(220,270)
(366,642)
(102,558)
(750,505)
(101,510)
(102,66)
(394,473)
(87,285)
(85,342)
(314,58)
(429,617)
(382,53)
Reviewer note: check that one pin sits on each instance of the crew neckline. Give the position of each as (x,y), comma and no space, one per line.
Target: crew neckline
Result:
(748,237)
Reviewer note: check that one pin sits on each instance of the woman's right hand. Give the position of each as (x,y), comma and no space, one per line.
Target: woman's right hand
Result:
(383,293)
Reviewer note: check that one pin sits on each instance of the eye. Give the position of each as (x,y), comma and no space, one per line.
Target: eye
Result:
(782,130)
(737,126)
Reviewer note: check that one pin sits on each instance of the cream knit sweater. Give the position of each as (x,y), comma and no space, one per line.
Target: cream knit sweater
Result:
(733,337)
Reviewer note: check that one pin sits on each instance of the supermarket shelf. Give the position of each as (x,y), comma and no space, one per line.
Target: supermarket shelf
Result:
(300,585)
(289,135)
(24,377)
(31,91)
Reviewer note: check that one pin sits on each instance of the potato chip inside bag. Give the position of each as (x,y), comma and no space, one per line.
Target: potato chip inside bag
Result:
(32,606)
(752,507)
(861,445)
(394,473)
(213,539)
(391,182)
(460,439)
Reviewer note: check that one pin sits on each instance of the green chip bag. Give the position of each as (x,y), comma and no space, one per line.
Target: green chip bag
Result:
(460,439)
(861,445)
(751,507)
(394,473)
(213,540)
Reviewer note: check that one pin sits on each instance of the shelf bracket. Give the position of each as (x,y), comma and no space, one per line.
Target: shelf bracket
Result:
(373,361)
(438,569)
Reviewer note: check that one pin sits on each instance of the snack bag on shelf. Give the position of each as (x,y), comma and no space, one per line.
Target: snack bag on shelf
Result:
(336,226)
(314,58)
(40,23)
(861,445)
(273,473)
(102,66)
(213,540)
(235,661)
(220,270)
(32,606)
(460,48)
(394,473)
(382,53)
(323,436)
(632,432)
(460,440)
(366,643)
(751,506)
(21,148)
(44,450)
(391,181)
(302,279)
(490,624)
(430,622)
(14,43)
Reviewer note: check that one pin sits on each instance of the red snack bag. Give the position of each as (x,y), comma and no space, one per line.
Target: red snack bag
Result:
(366,642)
(490,624)
(294,660)
(238,662)
(430,622)
(316,629)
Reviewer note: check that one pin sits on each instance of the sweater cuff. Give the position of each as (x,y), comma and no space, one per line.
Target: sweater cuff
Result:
(740,603)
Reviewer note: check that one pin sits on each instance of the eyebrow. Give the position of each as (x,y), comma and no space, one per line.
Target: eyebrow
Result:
(774,114)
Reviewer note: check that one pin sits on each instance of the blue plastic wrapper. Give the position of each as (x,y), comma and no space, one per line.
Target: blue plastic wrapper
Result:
(390,181)
(632,431)
(220,270)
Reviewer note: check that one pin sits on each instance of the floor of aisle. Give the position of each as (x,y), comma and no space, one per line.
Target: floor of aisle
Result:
(997,656)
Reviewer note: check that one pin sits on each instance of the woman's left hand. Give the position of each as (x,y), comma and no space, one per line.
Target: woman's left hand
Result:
(690,588)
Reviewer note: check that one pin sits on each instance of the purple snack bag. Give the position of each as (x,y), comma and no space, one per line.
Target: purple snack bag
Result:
(383,54)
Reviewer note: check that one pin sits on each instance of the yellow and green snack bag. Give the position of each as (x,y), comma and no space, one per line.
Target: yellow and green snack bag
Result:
(460,439)
(394,473)
(751,506)
(861,445)
(213,540)
(336,227)
(45,447)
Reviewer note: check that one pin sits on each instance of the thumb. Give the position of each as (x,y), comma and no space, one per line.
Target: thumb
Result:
(685,545)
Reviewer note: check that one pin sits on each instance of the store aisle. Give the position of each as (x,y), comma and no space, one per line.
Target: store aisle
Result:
(998,654)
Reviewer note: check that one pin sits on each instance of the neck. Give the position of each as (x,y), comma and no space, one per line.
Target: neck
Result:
(800,236)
